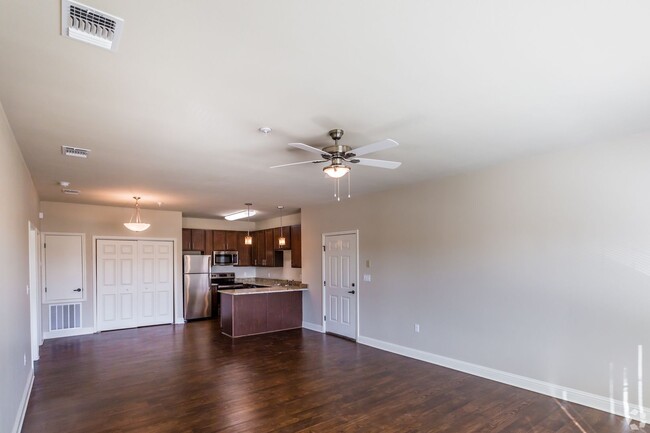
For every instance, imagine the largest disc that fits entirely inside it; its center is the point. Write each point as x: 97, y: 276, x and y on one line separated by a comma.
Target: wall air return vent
x: 70, y: 191
x: 90, y: 25
x: 75, y: 151
x: 65, y: 316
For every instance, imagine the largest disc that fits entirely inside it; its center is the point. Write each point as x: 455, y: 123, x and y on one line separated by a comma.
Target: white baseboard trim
x: 22, y: 409
x: 68, y: 332
x: 312, y: 326
x: 179, y: 321
x: 605, y: 404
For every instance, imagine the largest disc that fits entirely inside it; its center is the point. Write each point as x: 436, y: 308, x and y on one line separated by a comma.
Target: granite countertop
x: 259, y: 290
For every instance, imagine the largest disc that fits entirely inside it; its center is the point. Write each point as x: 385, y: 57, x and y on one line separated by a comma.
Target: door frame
x: 35, y: 311
x: 354, y: 232
x: 84, y: 289
x: 128, y: 238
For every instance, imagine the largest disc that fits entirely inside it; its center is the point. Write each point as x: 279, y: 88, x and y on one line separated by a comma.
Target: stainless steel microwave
x: 225, y: 258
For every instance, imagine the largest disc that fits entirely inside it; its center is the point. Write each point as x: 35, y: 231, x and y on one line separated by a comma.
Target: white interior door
x: 64, y: 267
x: 117, y: 282
x: 34, y: 291
x: 156, y: 288
x: 340, y: 284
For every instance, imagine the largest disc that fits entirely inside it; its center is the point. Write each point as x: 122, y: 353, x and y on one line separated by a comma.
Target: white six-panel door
x: 341, y: 284
x: 134, y: 283
x: 156, y: 282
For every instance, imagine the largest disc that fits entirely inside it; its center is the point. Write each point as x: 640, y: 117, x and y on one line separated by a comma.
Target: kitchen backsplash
x: 286, y: 272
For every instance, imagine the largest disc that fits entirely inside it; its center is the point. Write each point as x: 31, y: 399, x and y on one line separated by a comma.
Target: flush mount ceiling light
x: 240, y: 215
x: 282, y: 241
x: 137, y: 225
x: 248, y: 240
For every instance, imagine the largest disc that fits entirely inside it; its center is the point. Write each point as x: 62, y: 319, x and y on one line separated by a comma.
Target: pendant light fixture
x: 248, y: 240
x: 137, y: 225
x: 282, y: 241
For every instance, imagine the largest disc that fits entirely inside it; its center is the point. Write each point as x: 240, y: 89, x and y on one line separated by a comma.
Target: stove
x: 225, y: 280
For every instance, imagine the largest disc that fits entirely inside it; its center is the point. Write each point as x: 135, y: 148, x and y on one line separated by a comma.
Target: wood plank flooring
x: 190, y: 378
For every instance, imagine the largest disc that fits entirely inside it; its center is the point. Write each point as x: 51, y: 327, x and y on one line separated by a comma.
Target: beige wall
x: 98, y: 221
x: 20, y: 205
x: 538, y: 267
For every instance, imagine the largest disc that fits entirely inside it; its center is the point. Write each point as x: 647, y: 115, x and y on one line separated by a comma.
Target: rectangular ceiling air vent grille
x: 77, y: 152
x: 70, y: 191
x: 89, y: 25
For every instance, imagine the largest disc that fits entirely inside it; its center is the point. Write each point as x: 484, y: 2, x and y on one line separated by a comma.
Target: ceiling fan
x: 337, y: 155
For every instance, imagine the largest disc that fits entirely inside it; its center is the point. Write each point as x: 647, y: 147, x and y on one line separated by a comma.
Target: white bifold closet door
x: 134, y: 283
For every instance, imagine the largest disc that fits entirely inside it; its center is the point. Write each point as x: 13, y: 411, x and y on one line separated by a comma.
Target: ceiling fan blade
x: 307, y: 147
x: 377, y: 163
x: 298, y: 163
x: 375, y: 147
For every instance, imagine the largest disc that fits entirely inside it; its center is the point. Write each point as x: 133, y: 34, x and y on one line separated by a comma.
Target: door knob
x: 77, y: 290
x: 352, y: 292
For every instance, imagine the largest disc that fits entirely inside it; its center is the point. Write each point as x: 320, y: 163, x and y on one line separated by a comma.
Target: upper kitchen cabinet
x: 245, y: 251
x: 259, y: 248
x: 272, y: 258
x: 225, y: 240
x: 296, y: 247
x: 286, y: 232
x: 194, y: 240
x: 209, y: 247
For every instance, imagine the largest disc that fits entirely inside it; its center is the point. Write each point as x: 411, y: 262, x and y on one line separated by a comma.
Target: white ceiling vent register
x: 90, y: 25
x: 77, y: 152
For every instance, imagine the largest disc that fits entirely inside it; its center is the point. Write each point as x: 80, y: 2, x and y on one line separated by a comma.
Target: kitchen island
x: 260, y: 310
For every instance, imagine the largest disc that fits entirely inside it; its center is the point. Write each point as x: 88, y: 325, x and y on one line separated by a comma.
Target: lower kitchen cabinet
x: 260, y: 313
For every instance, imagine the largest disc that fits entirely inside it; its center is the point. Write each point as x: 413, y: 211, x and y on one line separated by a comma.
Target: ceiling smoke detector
x: 89, y: 25
x: 75, y: 151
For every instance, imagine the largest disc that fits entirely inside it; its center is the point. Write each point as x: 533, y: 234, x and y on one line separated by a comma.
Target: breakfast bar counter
x: 260, y: 310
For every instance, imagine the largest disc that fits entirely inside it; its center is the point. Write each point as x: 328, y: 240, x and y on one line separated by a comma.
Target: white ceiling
x: 173, y: 114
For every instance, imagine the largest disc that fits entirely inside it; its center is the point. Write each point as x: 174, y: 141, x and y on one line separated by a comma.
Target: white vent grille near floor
x: 89, y: 25
x: 65, y: 316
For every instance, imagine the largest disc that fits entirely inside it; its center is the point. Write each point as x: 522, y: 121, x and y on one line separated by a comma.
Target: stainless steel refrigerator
x: 197, y: 302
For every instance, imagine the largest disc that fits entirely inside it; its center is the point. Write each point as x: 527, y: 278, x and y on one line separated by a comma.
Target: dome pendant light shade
x: 336, y: 171
x: 248, y: 240
x: 137, y: 225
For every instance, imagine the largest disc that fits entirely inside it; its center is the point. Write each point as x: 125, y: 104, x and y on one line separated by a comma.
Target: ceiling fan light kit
x: 137, y: 225
x: 338, y: 155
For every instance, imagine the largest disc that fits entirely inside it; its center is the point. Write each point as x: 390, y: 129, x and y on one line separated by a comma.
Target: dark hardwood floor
x: 193, y: 379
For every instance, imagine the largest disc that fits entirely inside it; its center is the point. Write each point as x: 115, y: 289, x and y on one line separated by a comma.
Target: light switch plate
x: 367, y: 278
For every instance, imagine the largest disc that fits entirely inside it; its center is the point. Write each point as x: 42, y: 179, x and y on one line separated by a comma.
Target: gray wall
x: 108, y: 221
x: 20, y: 205
x: 538, y: 267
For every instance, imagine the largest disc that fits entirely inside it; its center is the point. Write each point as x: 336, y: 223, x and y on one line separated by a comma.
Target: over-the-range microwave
x: 225, y: 258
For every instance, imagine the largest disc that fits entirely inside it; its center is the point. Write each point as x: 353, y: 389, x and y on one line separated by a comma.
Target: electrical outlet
x: 27, y: 289
x: 367, y: 278
x: 368, y: 263
x: 268, y: 274
x: 417, y: 327
x: 24, y: 359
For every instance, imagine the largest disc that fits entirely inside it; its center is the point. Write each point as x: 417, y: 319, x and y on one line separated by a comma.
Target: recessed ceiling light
x: 239, y: 215
x: 265, y: 130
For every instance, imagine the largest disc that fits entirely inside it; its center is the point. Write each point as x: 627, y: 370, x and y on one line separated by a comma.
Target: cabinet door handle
x: 77, y: 290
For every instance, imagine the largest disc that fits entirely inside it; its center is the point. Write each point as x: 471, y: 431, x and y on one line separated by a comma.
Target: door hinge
x: 325, y: 318
x: 323, y: 248
x: 324, y: 283
x: 46, y: 290
x: 44, y: 245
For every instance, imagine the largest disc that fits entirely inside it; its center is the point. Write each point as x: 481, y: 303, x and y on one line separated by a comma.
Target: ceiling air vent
x: 75, y: 151
x: 90, y: 25
x: 70, y: 191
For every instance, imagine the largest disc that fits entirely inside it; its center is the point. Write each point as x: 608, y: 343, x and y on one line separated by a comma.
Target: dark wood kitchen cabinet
x: 296, y: 247
x: 193, y: 240
x: 245, y: 251
x: 286, y: 232
x: 208, y: 243
x: 225, y: 240
x: 259, y: 248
